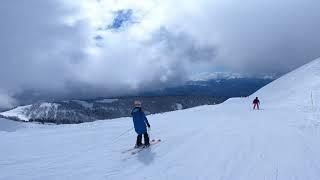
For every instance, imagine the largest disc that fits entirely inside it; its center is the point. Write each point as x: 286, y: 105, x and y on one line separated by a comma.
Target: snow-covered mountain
x: 229, y: 141
x: 207, y: 76
x: 78, y: 111
x: 191, y: 94
x: 225, y: 87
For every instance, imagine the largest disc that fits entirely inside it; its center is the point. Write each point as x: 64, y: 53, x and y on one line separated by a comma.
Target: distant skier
x: 140, y: 122
x: 256, y: 103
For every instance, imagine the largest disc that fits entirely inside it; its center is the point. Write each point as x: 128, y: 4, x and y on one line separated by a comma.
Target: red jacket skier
x: 256, y: 103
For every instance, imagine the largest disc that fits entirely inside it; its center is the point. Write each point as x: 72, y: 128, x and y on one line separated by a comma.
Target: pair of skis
x: 135, y: 150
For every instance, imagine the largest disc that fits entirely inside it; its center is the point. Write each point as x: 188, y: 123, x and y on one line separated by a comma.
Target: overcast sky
x: 110, y: 47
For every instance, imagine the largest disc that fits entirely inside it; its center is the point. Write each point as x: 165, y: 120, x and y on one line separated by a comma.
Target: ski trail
x: 223, y: 142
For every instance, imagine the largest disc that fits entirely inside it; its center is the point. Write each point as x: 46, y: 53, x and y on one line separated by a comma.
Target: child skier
x: 140, y: 123
x: 256, y: 103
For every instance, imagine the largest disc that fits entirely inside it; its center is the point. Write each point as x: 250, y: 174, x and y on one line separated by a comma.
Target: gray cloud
x: 52, y: 47
x: 262, y: 36
x: 36, y: 48
x: 179, y: 45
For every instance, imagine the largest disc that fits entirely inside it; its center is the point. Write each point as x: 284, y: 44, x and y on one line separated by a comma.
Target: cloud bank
x: 109, y: 47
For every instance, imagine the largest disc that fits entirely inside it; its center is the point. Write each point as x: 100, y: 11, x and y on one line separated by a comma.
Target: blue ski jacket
x: 140, y: 120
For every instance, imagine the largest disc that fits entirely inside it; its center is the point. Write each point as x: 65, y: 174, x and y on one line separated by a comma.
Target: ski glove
x: 148, y: 125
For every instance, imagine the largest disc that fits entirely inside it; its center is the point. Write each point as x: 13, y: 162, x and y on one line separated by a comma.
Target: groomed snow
x: 229, y: 141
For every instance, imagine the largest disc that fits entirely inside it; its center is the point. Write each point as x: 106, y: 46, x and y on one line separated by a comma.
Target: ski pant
x: 256, y: 106
x: 146, y: 139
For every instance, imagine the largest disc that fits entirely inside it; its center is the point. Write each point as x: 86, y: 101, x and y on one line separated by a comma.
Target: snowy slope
x: 18, y: 113
x: 301, y: 87
x: 25, y: 113
x: 229, y: 141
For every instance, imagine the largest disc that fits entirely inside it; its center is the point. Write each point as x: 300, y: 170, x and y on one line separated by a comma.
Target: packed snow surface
x: 229, y: 141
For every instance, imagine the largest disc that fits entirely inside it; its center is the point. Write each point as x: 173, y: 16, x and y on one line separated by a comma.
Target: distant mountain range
x: 78, y: 111
x: 216, y: 85
x: 206, y: 76
x: 205, y: 89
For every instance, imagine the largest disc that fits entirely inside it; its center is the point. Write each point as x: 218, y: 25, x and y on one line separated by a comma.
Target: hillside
x: 229, y: 141
x: 79, y: 111
x: 300, y: 88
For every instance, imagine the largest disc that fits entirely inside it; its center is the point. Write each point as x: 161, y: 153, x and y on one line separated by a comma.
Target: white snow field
x: 229, y: 141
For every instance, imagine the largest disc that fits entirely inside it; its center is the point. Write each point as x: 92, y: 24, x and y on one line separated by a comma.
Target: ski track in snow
x: 223, y: 142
